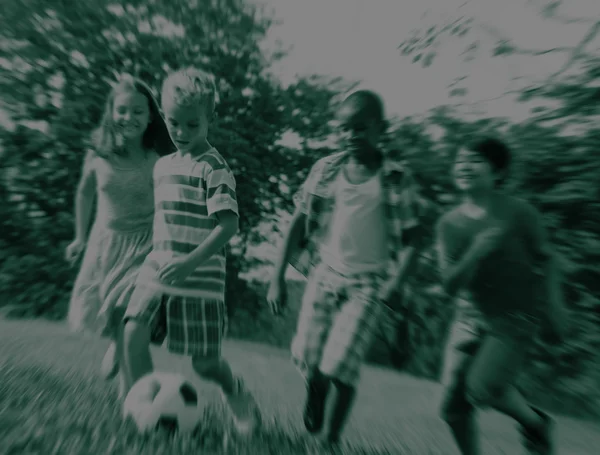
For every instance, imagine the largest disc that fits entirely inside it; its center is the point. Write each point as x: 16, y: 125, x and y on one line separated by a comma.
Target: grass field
x: 53, y: 402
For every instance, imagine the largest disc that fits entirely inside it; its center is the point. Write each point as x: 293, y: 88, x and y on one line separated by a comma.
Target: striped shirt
x: 188, y: 192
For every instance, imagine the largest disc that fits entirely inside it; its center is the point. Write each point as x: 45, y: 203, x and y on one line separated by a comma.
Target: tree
x: 556, y: 169
x: 60, y: 60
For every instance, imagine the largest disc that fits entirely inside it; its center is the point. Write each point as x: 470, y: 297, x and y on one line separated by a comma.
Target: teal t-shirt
x: 507, y: 282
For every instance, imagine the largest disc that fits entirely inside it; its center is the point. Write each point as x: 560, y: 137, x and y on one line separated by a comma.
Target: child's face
x: 131, y: 114
x: 188, y: 125
x: 472, y: 171
x: 360, y: 132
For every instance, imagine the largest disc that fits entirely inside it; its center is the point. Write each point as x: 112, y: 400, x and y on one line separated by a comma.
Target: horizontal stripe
x: 215, y: 161
x: 182, y: 207
x: 180, y: 193
x: 184, y: 219
x: 216, y: 205
x: 180, y: 248
x: 185, y: 180
x: 221, y: 191
x: 223, y: 177
x: 184, y: 234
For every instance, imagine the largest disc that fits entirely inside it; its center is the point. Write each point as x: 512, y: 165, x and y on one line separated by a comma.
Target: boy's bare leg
x: 240, y: 400
x: 490, y: 382
x: 136, y: 343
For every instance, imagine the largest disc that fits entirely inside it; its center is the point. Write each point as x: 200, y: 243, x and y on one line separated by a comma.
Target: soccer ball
x: 163, y: 400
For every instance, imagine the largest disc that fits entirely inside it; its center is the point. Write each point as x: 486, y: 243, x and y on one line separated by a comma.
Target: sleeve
x: 220, y: 189
x: 301, y: 196
x: 535, y: 233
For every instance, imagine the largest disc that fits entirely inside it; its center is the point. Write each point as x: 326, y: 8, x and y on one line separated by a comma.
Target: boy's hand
x: 176, y: 271
x: 277, y: 296
x: 488, y: 241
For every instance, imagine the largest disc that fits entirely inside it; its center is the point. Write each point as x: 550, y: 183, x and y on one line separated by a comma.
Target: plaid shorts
x: 191, y: 326
x: 337, y: 323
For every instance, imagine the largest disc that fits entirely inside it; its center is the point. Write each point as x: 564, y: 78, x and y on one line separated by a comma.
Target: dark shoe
x: 341, y: 410
x: 539, y: 441
x: 314, y: 409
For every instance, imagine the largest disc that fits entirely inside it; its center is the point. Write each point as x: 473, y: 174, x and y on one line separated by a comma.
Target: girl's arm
x: 84, y: 198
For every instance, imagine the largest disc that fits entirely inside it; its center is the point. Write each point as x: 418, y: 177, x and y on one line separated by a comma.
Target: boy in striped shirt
x: 180, y: 292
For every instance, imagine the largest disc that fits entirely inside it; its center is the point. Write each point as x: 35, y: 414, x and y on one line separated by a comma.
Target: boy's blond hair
x: 190, y: 86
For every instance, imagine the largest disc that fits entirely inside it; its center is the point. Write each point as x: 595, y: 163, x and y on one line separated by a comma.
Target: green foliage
x: 55, y: 94
x: 54, y: 91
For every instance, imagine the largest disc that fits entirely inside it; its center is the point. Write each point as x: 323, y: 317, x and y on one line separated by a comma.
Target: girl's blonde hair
x: 105, y: 139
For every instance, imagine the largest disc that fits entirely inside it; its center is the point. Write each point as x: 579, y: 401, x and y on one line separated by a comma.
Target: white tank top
x: 357, y: 239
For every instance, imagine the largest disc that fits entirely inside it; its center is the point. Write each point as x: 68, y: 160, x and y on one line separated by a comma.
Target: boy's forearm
x: 291, y: 239
x: 217, y: 239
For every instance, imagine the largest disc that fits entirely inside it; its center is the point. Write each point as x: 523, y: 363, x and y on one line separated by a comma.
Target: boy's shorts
x: 337, y: 323
x: 191, y: 326
x: 481, y: 361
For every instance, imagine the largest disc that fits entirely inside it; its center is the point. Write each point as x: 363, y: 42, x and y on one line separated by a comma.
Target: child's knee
x: 207, y: 367
x: 481, y: 393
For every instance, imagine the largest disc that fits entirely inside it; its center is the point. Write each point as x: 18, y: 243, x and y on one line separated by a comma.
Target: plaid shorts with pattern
x: 337, y: 323
x: 191, y: 326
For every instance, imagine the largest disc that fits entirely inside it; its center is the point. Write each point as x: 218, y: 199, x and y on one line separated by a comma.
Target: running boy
x: 492, y: 245
x: 181, y: 289
x: 356, y: 227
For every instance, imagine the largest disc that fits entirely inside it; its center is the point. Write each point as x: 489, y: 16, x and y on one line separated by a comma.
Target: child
x: 117, y: 173
x: 491, y: 245
x: 181, y: 289
x: 357, y: 219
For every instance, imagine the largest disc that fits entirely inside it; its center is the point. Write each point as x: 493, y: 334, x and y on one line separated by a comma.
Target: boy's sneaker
x: 317, y: 389
x: 244, y: 409
x: 539, y: 441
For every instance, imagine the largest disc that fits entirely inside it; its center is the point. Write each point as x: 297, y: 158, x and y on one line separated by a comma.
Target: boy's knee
x: 206, y: 366
x: 481, y: 393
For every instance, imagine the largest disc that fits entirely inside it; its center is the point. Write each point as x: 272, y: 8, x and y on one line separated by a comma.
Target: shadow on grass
x: 42, y: 412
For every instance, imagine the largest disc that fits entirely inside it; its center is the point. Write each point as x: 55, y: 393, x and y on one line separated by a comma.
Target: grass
x: 53, y: 402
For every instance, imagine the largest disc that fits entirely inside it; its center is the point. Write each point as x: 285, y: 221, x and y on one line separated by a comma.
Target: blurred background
x: 528, y: 72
